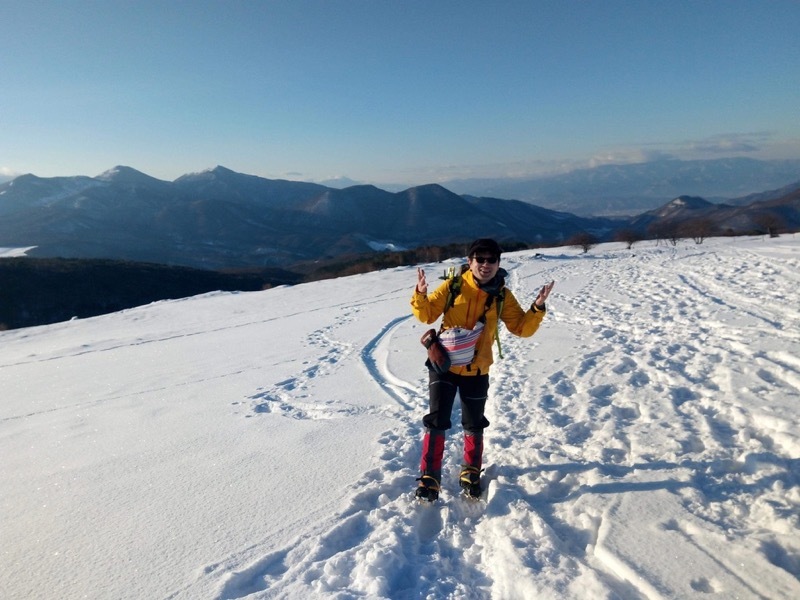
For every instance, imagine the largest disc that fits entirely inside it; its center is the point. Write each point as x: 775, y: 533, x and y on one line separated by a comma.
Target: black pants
x: 472, y: 390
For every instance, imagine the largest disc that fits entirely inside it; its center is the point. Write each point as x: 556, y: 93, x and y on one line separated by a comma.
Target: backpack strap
x: 501, y: 299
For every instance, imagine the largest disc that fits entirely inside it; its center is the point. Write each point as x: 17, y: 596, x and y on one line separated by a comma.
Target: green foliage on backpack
x: 454, y: 289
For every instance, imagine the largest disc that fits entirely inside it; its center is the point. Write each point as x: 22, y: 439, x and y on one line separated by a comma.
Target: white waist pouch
x: 460, y: 343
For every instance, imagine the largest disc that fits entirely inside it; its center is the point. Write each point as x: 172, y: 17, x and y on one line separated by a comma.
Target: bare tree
x: 665, y: 231
x: 698, y: 229
x: 769, y: 221
x: 583, y: 240
x: 629, y: 236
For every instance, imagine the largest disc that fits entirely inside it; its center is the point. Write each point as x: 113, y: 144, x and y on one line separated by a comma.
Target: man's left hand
x: 543, y: 294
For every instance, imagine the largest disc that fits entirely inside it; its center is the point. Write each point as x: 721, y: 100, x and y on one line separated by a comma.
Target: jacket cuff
x: 537, y: 309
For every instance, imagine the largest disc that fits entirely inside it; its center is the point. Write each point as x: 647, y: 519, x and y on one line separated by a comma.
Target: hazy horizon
x: 393, y: 93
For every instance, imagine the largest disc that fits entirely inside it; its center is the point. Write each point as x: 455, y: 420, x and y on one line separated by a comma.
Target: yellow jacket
x: 465, y: 312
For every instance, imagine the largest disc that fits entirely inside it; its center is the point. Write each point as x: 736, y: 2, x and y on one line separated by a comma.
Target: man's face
x: 484, y: 266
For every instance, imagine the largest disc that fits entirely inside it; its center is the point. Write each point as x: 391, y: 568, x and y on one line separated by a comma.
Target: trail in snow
x: 382, y: 532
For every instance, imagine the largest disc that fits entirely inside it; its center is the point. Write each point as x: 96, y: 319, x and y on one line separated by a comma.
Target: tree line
x: 698, y: 230
x: 37, y: 291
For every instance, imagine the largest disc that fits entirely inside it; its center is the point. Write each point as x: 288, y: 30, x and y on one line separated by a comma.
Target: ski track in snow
x: 383, y: 531
x: 567, y: 448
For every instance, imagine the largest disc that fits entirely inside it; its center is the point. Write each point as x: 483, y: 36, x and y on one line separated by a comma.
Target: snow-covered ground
x: 12, y: 252
x: 644, y: 444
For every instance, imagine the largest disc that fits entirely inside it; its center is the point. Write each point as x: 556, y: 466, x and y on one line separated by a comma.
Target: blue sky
x: 393, y: 91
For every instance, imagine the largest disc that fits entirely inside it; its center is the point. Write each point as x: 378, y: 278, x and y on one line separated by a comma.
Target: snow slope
x: 12, y: 252
x: 645, y: 443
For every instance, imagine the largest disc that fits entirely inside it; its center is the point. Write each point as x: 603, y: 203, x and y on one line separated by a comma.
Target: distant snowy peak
x: 122, y: 174
x: 379, y: 246
x: 681, y: 205
x: 218, y: 173
x: 689, y: 202
x: 221, y: 171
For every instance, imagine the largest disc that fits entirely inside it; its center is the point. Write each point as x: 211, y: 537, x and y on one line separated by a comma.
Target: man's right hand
x: 422, y: 285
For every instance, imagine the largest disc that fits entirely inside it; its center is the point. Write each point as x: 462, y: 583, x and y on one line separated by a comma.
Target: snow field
x: 644, y: 443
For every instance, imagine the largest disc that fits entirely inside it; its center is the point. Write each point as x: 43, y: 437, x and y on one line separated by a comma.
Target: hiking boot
x: 428, y: 488
x: 470, y: 481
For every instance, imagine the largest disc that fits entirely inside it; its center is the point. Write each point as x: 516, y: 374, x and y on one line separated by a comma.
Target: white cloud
x: 627, y: 157
x: 727, y: 143
x: 498, y: 170
x: 8, y: 172
x: 764, y: 145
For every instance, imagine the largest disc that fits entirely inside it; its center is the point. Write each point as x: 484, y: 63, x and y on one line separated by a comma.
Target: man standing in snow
x: 480, y: 297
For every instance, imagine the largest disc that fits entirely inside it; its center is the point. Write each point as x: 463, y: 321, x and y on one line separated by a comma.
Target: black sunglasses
x: 485, y: 259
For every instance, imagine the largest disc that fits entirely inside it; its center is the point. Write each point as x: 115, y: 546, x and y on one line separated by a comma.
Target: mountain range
x: 222, y: 219
x: 778, y: 210
x: 629, y: 190
x: 219, y: 219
